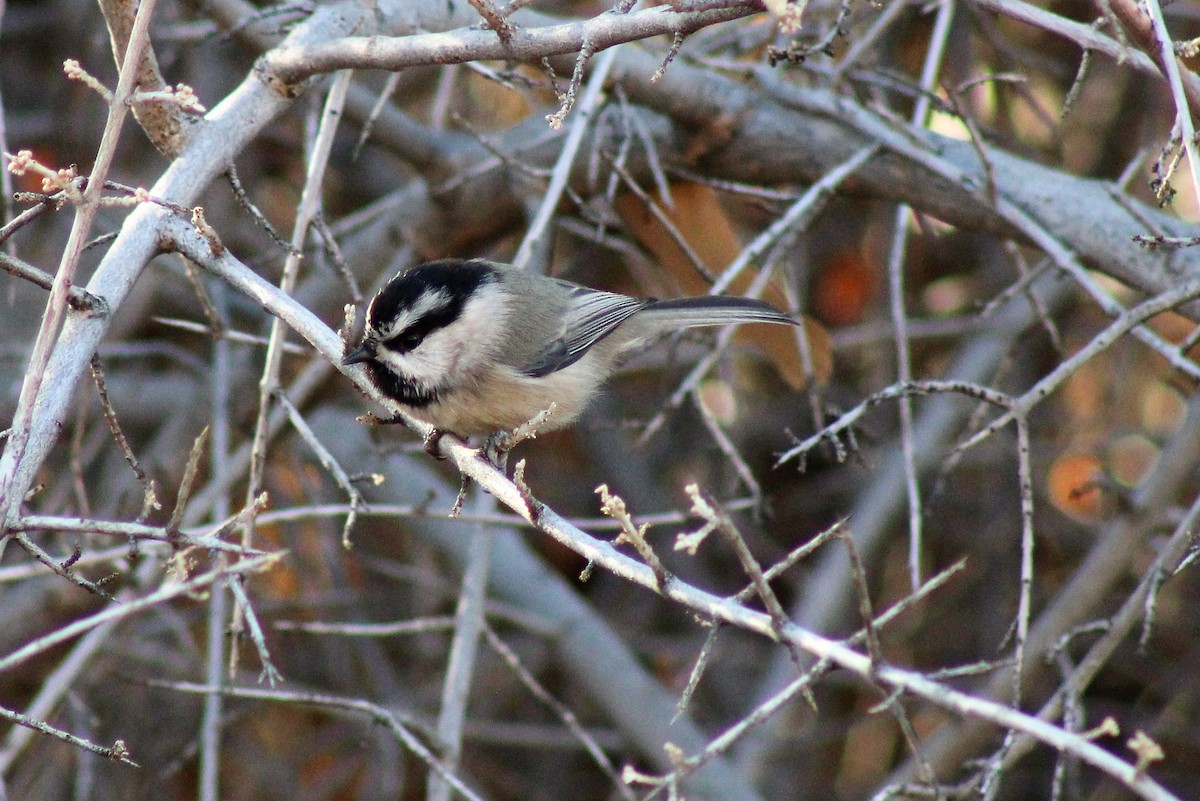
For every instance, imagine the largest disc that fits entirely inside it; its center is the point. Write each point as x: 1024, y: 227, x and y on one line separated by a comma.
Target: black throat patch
x: 400, y: 388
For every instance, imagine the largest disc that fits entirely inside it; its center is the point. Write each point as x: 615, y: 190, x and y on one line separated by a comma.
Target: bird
x: 477, y: 347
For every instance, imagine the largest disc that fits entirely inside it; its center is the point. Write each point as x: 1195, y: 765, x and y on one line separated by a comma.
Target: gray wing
x: 591, y: 317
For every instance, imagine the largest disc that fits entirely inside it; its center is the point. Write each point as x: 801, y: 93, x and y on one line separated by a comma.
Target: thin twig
x: 129, y: 530
x: 461, y: 665
x: 613, y: 506
x: 422, y: 625
x: 534, y: 238
x: 269, y: 672
x: 243, y: 199
x: 728, y: 448
x: 672, y: 230
x: 327, y: 460
x: 795, y: 216
x: 563, y: 712
x: 150, y: 501
x: 116, y: 752
x: 1183, y: 111
x: 64, y: 278
x: 385, y: 94
x: 310, y: 201
x: 390, y: 720
x: 212, y: 718
x: 849, y: 418
x: 897, y: 307
x: 78, y: 298
x: 186, y: 483
x: 1124, y: 323
x: 62, y: 569
x: 495, y: 19
x: 167, y: 593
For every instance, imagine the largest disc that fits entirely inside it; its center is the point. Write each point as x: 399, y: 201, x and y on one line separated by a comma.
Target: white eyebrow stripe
x: 426, y: 303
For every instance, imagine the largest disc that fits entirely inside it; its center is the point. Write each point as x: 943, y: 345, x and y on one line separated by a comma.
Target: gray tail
x: 711, y: 310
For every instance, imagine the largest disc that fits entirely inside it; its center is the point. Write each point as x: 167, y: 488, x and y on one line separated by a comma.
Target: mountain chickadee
x: 476, y: 347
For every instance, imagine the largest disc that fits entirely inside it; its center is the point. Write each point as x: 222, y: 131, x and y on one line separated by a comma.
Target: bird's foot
x: 499, y: 443
x: 496, y: 447
x: 432, y: 443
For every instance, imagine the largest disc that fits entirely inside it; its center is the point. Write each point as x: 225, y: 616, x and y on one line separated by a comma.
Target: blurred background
x: 674, y: 181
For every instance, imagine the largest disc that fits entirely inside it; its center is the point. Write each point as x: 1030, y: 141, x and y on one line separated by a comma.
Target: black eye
x: 407, y: 341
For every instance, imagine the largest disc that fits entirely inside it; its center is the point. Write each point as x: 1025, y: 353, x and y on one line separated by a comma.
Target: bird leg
x: 499, y: 443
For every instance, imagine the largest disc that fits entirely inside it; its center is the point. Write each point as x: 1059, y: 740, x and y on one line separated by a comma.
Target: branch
x: 294, y: 63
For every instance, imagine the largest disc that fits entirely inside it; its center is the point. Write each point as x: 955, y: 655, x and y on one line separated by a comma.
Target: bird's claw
x: 496, y: 448
x: 432, y: 442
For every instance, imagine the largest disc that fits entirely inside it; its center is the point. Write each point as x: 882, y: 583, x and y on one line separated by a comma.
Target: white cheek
x: 471, y: 342
x: 401, y: 363
x: 460, y: 350
x: 432, y: 360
